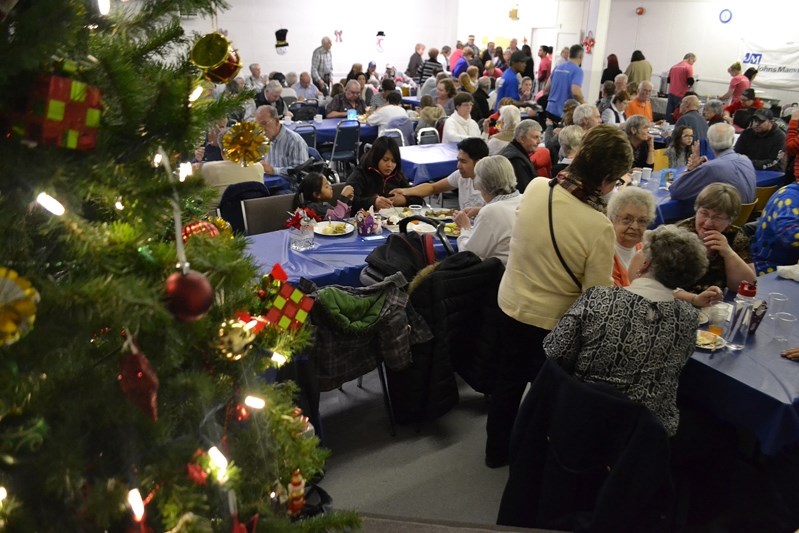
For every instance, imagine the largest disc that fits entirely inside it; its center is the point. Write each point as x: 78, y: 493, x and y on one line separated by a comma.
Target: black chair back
x: 345, y: 145
x: 230, y: 203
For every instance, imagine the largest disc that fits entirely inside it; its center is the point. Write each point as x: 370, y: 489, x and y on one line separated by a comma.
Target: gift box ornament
x: 60, y: 112
x: 290, y: 308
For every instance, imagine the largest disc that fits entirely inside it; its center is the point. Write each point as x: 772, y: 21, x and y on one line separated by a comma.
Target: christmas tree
x: 132, y: 390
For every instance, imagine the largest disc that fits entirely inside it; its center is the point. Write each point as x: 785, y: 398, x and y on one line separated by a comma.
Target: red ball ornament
x: 199, y: 227
x: 188, y: 296
x: 640, y: 11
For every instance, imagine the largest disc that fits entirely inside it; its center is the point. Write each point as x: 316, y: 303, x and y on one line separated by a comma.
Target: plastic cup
x: 776, y: 302
x: 646, y: 173
x: 636, y: 178
x: 317, y: 118
x: 783, y: 326
x: 717, y: 318
x: 417, y: 209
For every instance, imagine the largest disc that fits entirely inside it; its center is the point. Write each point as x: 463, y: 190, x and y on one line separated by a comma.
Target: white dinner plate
x: 421, y: 227
x: 326, y: 228
x: 703, y: 318
x: 709, y: 341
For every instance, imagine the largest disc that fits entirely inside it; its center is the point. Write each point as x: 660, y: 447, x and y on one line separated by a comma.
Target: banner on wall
x: 777, y: 66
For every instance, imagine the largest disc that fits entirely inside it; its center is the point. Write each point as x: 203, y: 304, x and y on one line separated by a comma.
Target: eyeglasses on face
x: 629, y: 220
x: 706, y: 214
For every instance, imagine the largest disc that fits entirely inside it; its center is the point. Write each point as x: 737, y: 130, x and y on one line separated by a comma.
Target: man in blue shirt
x: 727, y: 167
x: 508, y: 84
x: 565, y: 83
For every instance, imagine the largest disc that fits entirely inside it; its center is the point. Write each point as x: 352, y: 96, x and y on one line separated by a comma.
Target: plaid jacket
x: 342, y: 355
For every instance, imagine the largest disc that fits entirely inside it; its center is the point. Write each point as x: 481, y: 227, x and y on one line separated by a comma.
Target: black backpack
x: 404, y: 252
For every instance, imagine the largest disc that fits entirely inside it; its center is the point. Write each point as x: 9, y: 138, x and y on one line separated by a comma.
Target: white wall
x: 667, y: 30
x: 671, y: 28
x: 251, y: 26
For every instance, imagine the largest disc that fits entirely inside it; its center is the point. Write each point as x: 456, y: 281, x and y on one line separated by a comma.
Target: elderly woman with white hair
x: 637, y: 130
x: 509, y: 118
x: 631, y: 210
x: 570, y: 139
x: 490, y: 234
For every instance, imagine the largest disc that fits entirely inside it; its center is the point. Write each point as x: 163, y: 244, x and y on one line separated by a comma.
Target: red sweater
x: 792, y: 144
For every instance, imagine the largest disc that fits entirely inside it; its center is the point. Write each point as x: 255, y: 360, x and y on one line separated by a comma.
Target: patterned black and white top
x: 634, y: 344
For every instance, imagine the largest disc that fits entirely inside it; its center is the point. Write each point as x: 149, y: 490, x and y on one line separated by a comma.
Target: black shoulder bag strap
x: 552, y: 184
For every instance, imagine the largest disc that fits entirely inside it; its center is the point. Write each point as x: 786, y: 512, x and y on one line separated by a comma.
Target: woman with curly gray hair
x: 636, y: 339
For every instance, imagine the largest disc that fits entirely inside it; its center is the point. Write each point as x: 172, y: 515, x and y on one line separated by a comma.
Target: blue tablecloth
x: 428, y: 162
x: 326, y: 130
x: 336, y: 260
x: 412, y: 100
x: 755, y: 388
x: 669, y: 210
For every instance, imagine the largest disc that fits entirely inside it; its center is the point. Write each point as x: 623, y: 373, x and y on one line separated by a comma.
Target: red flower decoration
x: 302, y: 217
x: 196, y: 473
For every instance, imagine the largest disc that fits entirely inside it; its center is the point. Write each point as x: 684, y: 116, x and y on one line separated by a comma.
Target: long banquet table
x: 326, y: 130
x: 669, y: 209
x: 754, y: 389
x: 429, y: 162
x: 336, y: 260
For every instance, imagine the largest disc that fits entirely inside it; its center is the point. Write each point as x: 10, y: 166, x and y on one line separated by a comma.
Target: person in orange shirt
x: 641, y: 105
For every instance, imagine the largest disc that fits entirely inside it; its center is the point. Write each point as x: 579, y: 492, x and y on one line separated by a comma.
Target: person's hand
x: 470, y: 212
x: 650, y: 140
x: 199, y: 153
x: 462, y: 220
x: 549, y: 122
x: 708, y: 297
x: 287, y: 113
x: 268, y: 169
x: 348, y: 192
x: 791, y: 353
x: 716, y: 241
x: 795, y: 115
x: 399, y: 191
x: 694, y: 160
x: 381, y: 202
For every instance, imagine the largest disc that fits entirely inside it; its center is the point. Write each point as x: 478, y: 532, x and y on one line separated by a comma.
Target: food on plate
x: 335, y: 228
x: 452, y: 229
x: 708, y: 340
x: 442, y: 213
x: 703, y: 318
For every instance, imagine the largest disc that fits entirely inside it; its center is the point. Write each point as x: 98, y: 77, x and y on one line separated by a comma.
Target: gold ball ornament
x: 234, y: 339
x: 18, y: 301
x: 224, y: 227
x: 245, y: 143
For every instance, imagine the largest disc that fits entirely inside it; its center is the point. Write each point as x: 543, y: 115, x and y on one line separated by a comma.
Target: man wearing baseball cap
x: 762, y: 141
x: 742, y: 109
x: 508, y: 84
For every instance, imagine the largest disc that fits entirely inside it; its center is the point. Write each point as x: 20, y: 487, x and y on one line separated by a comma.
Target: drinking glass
x: 776, y: 302
x: 717, y: 318
x: 783, y: 326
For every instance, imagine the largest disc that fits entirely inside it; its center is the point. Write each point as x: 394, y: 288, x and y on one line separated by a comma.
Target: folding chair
x: 345, y: 144
x: 394, y: 134
x: 308, y: 133
x: 427, y: 136
x: 406, y: 126
x: 262, y: 215
x: 440, y: 126
x: 743, y: 216
x: 230, y: 203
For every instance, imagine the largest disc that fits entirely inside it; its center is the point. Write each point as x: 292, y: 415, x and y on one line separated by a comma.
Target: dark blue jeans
x: 672, y: 104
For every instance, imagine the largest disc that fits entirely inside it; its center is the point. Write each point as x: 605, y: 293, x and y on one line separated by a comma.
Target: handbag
x: 552, y: 183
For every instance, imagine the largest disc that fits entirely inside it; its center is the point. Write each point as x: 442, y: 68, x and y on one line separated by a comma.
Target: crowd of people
x: 543, y: 184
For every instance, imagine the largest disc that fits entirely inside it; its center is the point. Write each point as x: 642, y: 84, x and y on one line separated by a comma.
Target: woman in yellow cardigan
x: 537, y: 286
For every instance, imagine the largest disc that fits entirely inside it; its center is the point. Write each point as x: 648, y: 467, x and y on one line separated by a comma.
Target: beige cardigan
x: 535, y: 288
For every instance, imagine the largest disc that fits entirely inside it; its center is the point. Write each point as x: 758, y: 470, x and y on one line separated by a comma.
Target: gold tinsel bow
x: 245, y: 143
x: 18, y: 301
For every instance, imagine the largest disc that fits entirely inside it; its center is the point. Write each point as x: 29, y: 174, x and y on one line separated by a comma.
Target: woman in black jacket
x: 379, y: 173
